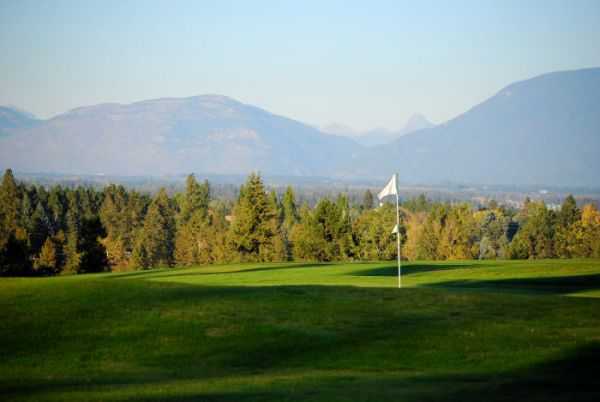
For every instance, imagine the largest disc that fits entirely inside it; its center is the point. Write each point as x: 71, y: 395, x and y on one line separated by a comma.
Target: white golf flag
x: 390, y: 189
x: 396, y: 230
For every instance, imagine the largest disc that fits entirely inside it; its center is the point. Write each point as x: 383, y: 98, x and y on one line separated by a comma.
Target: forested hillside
x: 47, y: 231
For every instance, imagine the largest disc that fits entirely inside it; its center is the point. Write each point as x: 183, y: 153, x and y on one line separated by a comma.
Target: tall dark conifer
x: 254, y: 228
x: 155, y: 243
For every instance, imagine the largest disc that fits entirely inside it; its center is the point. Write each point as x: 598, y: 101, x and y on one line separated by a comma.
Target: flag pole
x: 398, y: 234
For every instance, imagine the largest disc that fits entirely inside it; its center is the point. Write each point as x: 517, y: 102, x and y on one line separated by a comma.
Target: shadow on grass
x: 277, y: 329
x: 571, y: 377
x: 410, y: 269
x: 199, y: 271
x: 551, y: 285
x: 293, y: 334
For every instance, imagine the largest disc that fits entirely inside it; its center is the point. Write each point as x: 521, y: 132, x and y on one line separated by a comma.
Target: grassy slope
x: 275, y: 332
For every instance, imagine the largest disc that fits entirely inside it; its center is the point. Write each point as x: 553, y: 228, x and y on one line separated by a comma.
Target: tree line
x: 61, y: 230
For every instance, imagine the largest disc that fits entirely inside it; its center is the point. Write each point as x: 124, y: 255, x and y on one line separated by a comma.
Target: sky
x: 364, y: 64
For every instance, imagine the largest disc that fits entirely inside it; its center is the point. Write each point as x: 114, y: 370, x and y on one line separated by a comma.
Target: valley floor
x: 456, y: 331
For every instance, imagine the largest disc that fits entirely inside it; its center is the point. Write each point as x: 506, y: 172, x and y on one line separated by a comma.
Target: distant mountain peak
x: 416, y: 122
x: 540, y: 131
x: 379, y: 135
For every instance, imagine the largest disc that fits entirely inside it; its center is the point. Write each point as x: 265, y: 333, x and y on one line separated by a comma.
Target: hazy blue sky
x: 363, y: 63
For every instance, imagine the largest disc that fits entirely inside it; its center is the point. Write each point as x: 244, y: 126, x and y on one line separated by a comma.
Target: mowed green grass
x: 457, y: 331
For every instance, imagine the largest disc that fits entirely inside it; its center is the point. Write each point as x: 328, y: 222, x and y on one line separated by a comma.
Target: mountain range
x: 541, y: 131
x: 545, y: 130
x: 379, y: 136
x: 208, y: 134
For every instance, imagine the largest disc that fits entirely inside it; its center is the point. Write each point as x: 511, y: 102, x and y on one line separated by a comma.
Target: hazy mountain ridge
x: 545, y: 130
x: 379, y: 136
x: 12, y: 119
x: 208, y: 133
x: 541, y: 131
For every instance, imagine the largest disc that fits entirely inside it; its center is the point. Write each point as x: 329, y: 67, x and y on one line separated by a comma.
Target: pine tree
x: 26, y: 212
x: 254, y: 224
x: 93, y: 252
x: 277, y: 206
x: 72, y: 254
x: 57, y: 205
x: 536, y: 235
x: 368, y: 202
x: 569, y: 213
x: 290, y: 212
x: 192, y: 222
x: 156, y: 240
x: 195, y: 200
x: 565, y: 241
x: 10, y: 205
x: 39, y: 229
x: 308, y: 239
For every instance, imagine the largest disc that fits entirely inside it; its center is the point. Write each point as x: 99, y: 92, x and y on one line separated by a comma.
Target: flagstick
x: 398, y: 234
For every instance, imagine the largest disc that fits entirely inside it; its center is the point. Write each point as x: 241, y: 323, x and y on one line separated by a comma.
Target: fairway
x: 457, y: 331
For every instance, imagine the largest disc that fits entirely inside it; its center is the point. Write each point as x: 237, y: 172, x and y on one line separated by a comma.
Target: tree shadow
x: 569, y: 377
x: 199, y: 271
x: 410, y: 269
x: 572, y: 376
x: 305, y: 330
x: 550, y: 285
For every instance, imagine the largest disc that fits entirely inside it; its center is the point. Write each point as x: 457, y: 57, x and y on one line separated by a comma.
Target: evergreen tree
x: 277, y: 206
x: 10, y: 205
x: 290, y: 212
x: 57, y: 205
x: 188, y: 239
x: 39, y: 229
x: 565, y: 239
x: 93, y: 252
x: 308, y: 239
x: 324, y: 234
x: 156, y: 240
x: 535, y: 238
x: 418, y: 204
x: 195, y: 200
x: 569, y: 213
x: 213, y: 241
x: 27, y: 208
x: 254, y: 227
x: 73, y: 255
x: 344, y: 231
x: 368, y: 202
x: 193, y: 222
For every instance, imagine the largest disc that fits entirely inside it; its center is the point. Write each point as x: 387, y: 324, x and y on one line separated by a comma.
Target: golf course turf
x: 456, y: 331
